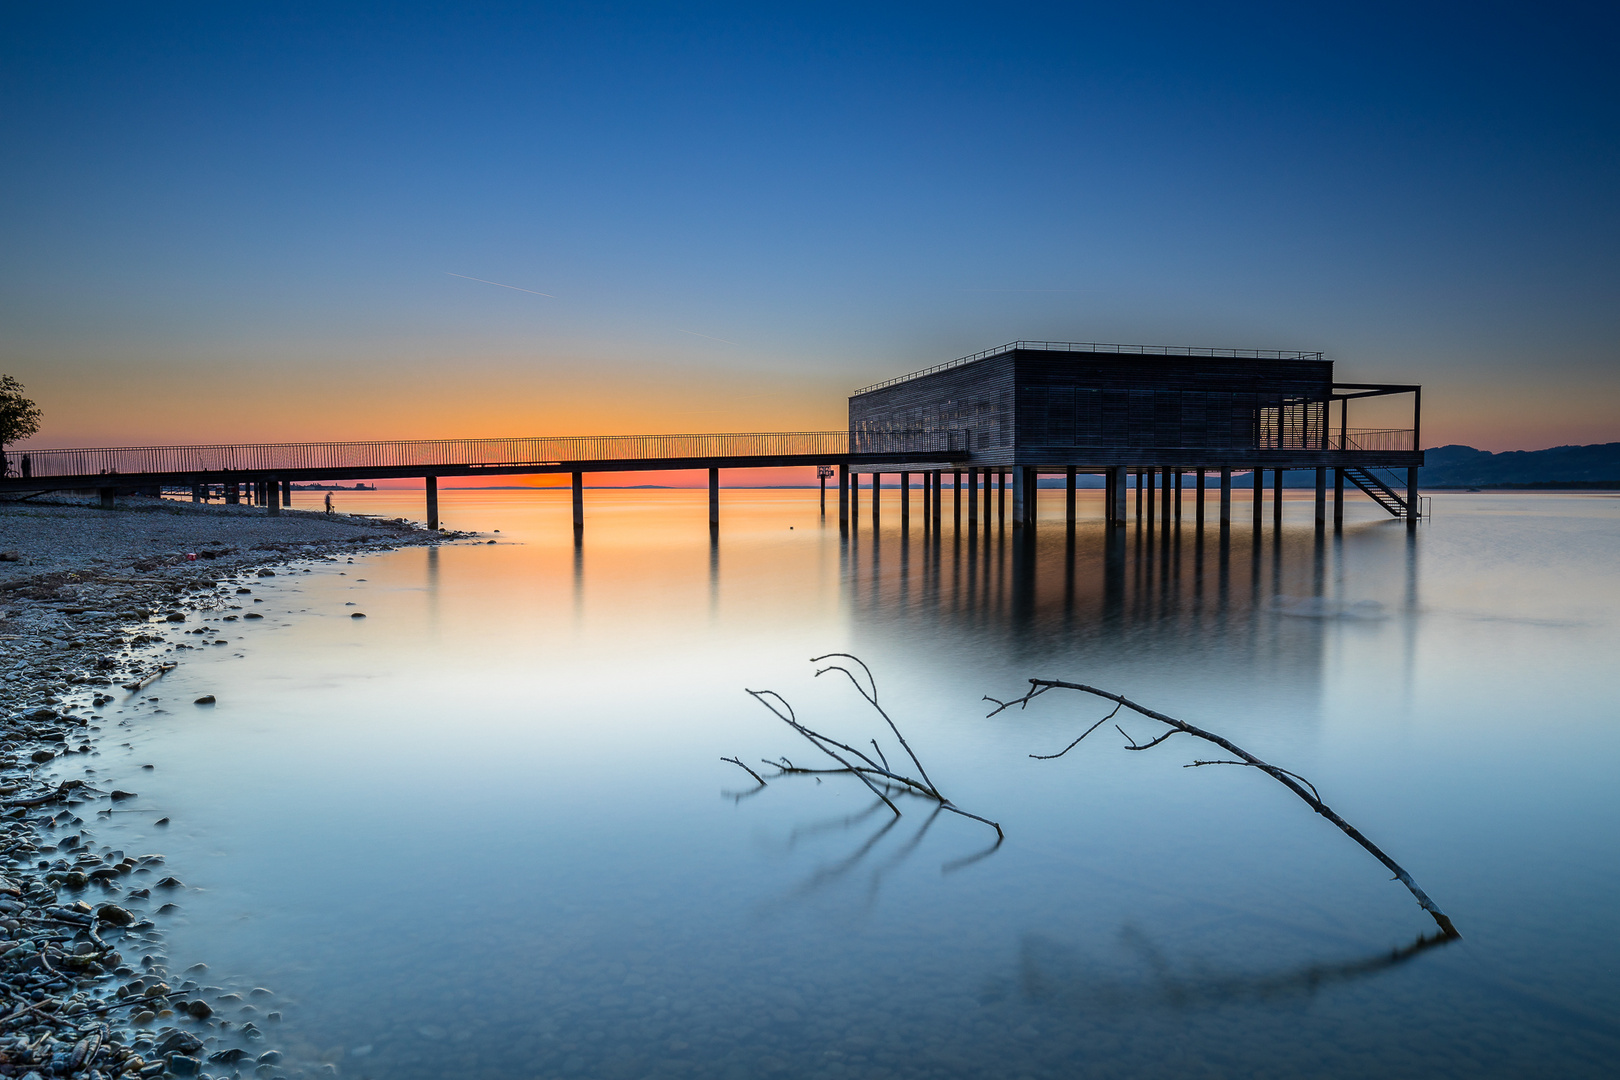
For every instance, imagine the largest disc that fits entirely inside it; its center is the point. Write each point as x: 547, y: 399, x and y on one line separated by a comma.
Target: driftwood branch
x: 1293, y: 782
x: 876, y: 773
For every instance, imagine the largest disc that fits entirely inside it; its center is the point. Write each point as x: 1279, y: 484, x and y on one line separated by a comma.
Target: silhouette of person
x: 328, y: 502
x: 27, y: 467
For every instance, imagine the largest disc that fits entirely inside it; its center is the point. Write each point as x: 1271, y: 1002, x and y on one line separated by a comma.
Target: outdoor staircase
x: 1380, y: 492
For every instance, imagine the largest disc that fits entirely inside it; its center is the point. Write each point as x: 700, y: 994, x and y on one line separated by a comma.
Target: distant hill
x: 1561, y: 466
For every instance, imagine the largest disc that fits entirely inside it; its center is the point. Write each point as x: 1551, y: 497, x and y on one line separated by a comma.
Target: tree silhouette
x: 19, y: 417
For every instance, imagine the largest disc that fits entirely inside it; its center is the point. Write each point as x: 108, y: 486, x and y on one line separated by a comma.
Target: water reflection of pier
x: 1245, y: 605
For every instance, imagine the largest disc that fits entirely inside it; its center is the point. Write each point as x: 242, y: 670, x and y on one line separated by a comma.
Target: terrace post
x: 1321, y: 498
x: 714, y: 500
x: 1118, y: 474
x: 1338, y: 499
x: 1226, y: 498
x: 1259, y: 496
x: 108, y: 497
x: 273, y: 490
x: 1276, y: 498
x: 432, y: 485
x: 578, y: 486
x: 973, y: 499
x: 1020, y: 479
x: 956, y: 501
x: 1068, y: 497
x: 1411, y: 499
x: 905, y: 500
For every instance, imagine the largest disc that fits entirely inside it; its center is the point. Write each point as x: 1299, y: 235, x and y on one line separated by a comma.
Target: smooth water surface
x: 486, y: 830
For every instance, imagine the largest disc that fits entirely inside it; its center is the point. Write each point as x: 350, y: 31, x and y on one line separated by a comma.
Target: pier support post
x: 956, y: 500
x: 939, y: 497
x: 1152, y: 494
x: 843, y: 498
x: 196, y: 493
x: 928, y: 499
x: 1411, y: 499
x: 432, y: 484
x: 1118, y: 472
x: 1139, y: 496
x: 233, y: 494
x: 877, y: 488
x: 1338, y: 499
x: 273, y: 489
x: 1321, y: 498
x: 1259, y: 497
x: 109, y: 497
x: 1198, y: 506
x: 823, y: 478
x: 855, y: 500
x: 286, y: 493
x: 973, y: 499
x: 1226, y: 498
x: 905, y: 500
x: 714, y: 500
x: 579, y: 505
x: 1179, y: 472
x: 1167, y: 485
x: 1068, y: 497
x: 1276, y: 498
x: 989, y: 499
x: 1020, y: 484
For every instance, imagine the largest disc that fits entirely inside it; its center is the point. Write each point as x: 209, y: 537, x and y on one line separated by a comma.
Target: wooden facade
x: 1052, y: 406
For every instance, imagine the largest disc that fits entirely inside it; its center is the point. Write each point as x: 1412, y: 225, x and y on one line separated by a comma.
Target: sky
x: 285, y: 222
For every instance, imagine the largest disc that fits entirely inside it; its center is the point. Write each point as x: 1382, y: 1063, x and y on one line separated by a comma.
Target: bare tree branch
x: 869, y: 772
x: 1292, y: 782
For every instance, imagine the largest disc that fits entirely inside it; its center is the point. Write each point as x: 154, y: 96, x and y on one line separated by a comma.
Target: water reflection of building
x: 1244, y: 609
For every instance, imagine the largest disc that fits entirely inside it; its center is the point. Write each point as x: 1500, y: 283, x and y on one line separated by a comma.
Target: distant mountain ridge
x: 1597, y: 465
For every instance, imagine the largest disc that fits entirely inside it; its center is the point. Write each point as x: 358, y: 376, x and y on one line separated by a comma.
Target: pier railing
x: 1373, y: 439
x: 468, y: 453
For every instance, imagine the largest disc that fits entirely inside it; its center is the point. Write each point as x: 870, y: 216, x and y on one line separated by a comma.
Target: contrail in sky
x: 711, y: 337
x: 531, y: 292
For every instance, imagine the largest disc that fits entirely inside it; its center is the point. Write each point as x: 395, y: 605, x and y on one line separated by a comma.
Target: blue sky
x: 743, y: 212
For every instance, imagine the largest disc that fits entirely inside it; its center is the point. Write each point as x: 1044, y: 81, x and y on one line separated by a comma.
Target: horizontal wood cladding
x: 975, y: 400
x: 1024, y: 406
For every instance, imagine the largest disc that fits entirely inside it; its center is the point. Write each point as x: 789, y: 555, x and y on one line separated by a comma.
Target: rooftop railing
x: 1094, y: 346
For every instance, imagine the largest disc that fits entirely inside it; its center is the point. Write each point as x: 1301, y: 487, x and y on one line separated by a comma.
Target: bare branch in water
x: 1293, y: 782
x: 881, y: 779
x: 738, y: 762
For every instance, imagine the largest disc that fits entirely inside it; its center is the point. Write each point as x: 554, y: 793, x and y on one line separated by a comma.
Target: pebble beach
x: 96, y: 606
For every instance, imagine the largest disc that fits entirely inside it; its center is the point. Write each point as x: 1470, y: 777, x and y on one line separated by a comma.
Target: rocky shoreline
x: 88, y: 600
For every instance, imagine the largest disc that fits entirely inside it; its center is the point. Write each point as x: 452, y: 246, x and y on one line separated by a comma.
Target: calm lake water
x: 486, y: 831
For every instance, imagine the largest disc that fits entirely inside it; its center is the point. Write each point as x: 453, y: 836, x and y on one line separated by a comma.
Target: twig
x: 869, y: 772
x: 1291, y: 781
x: 738, y: 762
